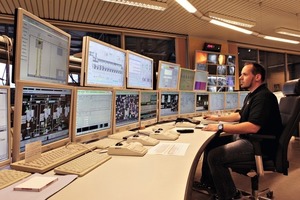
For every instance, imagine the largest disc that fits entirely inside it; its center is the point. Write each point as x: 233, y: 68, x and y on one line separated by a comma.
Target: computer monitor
x: 41, y: 50
x: 187, y: 77
x: 149, y: 107
x: 212, y: 58
x: 168, y: 75
x: 139, y: 71
x: 104, y: 65
x: 4, y: 126
x: 92, y: 116
x: 231, y: 100
x: 242, y: 96
x: 201, y: 102
x: 201, y: 79
x: 42, y: 112
x: 216, y: 101
x: 200, y: 60
x: 168, y: 106
x: 187, y: 104
x: 126, y: 110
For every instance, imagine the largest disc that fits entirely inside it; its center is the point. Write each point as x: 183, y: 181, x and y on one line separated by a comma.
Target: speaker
x: 212, y: 47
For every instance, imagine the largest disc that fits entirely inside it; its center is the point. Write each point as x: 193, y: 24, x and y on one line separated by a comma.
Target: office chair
x: 289, y: 107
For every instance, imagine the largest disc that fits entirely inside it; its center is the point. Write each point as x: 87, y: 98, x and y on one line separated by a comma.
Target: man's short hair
x: 258, y: 69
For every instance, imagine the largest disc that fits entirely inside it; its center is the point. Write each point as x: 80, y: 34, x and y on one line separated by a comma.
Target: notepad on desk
x: 176, y: 149
x: 36, y: 184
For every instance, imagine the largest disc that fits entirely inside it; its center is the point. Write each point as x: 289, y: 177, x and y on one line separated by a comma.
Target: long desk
x: 151, y: 177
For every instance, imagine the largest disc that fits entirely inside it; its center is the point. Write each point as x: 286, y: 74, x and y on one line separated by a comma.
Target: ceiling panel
x: 268, y: 15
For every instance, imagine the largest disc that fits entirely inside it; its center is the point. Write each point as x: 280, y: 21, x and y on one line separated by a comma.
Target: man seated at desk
x: 259, y: 115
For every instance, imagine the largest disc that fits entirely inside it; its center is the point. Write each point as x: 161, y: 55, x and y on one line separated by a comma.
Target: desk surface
x: 149, y: 177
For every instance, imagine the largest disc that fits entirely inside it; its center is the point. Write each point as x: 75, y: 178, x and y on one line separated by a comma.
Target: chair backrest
x: 289, y: 107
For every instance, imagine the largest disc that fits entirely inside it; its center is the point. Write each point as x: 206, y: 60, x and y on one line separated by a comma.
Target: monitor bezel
x: 7, y: 161
x: 152, y: 121
x: 225, y: 106
x: 180, y: 79
x: 17, y: 154
x: 17, y: 46
x: 206, y: 85
x: 191, y: 114
x: 167, y: 118
x: 127, y: 127
x: 84, y: 63
x: 128, y: 52
x: 88, y: 137
x: 159, y: 75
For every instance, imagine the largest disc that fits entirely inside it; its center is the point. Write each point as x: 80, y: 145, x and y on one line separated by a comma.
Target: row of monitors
x: 61, y: 114
x: 42, y: 53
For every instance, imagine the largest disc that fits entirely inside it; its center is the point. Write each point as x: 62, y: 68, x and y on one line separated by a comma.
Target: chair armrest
x: 256, y: 140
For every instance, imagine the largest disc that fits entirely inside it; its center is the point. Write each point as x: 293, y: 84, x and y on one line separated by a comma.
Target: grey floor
x: 284, y: 187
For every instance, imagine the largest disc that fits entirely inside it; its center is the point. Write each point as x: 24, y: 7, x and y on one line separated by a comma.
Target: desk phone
x: 143, y: 139
x: 159, y: 134
x: 127, y: 149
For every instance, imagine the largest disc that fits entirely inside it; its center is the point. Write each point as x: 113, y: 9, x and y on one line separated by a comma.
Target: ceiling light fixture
x: 232, y: 20
x: 230, y: 26
x: 187, y: 5
x: 288, y: 32
x: 280, y: 39
x: 155, y: 5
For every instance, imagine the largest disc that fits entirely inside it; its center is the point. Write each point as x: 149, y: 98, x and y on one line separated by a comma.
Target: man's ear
x: 258, y: 77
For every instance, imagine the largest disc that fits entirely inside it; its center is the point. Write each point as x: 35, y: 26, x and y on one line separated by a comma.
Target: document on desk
x: 176, y: 149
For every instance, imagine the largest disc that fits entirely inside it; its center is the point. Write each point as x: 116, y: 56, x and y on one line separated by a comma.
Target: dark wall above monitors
x: 41, y: 50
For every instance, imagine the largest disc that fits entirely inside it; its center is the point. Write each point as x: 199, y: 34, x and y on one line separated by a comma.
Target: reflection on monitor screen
x: 42, y: 113
x: 186, y: 79
x: 104, y: 64
x: 149, y: 107
x: 232, y: 100
x: 168, y: 75
x: 242, y: 96
x: 216, y: 101
x: 201, y: 80
x: 201, y: 102
x: 4, y: 126
x: 187, y: 104
x: 41, y: 50
x: 139, y: 71
x: 126, y: 110
x: 168, y: 108
x: 92, y: 114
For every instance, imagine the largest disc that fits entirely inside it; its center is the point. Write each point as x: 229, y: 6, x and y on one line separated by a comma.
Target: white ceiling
x: 268, y: 15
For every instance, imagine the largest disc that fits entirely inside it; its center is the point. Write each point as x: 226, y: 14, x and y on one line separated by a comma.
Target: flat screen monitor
x: 187, y: 77
x: 242, y: 96
x: 149, y: 107
x: 201, y: 102
x: 92, y: 116
x: 104, y: 65
x: 168, y: 75
x: 41, y: 50
x: 42, y: 112
x: 168, y: 106
x: 200, y: 60
x: 201, y: 79
x: 126, y: 111
x: 216, y: 101
x: 4, y: 126
x: 231, y: 100
x: 187, y: 104
x: 139, y: 71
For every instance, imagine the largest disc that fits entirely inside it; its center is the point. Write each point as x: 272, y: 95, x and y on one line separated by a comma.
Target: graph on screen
x: 187, y: 77
x: 168, y: 75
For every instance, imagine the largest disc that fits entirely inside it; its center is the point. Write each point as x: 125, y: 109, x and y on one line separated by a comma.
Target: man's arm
x: 240, y: 128
x: 233, y: 117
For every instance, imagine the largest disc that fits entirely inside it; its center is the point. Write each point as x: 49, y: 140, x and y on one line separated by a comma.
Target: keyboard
x: 10, y: 176
x: 105, y: 143
x: 83, y: 164
x: 51, y: 159
x: 127, y: 149
x: 121, y: 135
